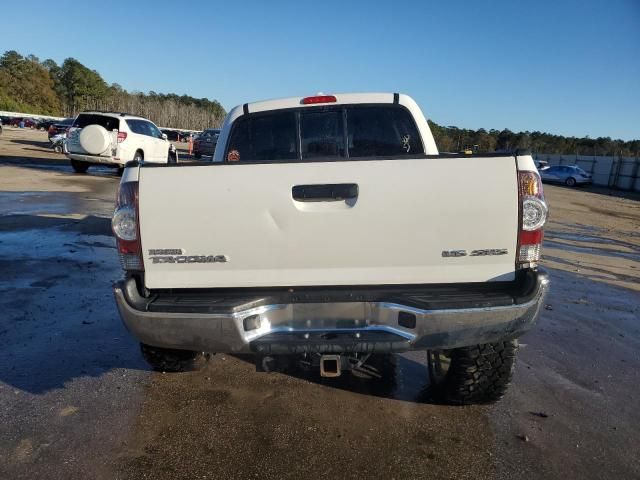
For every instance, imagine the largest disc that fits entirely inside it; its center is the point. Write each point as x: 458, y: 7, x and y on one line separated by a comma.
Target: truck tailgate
x: 247, y: 225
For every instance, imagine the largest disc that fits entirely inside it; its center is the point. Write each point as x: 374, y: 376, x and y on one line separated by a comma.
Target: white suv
x: 113, y: 139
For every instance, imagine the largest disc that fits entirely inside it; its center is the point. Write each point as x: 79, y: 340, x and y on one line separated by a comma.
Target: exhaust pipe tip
x: 330, y: 366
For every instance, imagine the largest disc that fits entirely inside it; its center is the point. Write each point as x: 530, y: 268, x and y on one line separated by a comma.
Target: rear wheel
x: 79, y: 167
x: 138, y: 157
x: 479, y: 374
x: 570, y: 182
x: 172, y: 360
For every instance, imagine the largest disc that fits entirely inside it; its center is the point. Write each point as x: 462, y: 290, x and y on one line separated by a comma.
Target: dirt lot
x: 77, y: 401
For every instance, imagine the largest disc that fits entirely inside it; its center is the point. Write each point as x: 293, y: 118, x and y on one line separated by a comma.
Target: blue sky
x: 566, y: 67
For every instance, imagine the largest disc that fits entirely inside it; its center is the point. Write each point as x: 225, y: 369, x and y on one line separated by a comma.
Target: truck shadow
x: 36, y: 143
x: 399, y: 377
x: 60, y: 164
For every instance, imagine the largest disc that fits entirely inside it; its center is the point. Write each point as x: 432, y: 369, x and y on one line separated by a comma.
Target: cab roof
x: 295, y: 102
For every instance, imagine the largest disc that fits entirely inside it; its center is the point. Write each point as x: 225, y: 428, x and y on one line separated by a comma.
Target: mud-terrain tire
x: 172, y: 360
x: 79, y: 167
x: 479, y: 374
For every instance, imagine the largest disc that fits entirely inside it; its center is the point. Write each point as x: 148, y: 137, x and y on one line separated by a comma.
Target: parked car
x: 540, y: 164
x: 171, y: 134
x: 57, y: 128
x: 113, y: 139
x: 320, y: 235
x: 184, y: 136
x: 23, y: 123
x: 205, y: 143
x: 570, y: 175
x: 45, y: 124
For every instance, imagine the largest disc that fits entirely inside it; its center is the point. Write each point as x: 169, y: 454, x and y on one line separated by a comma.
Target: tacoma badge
x: 174, y: 255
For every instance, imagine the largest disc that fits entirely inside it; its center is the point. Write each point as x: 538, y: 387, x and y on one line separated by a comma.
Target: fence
x: 622, y: 173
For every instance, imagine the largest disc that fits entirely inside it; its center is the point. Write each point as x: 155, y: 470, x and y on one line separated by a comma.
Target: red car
x: 28, y: 123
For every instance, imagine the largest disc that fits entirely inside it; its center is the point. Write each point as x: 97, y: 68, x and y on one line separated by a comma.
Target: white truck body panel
x: 407, y: 213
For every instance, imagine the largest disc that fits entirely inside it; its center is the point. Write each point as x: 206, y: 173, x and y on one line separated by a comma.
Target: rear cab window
x: 331, y: 133
x: 271, y: 136
x: 322, y: 134
x: 382, y: 132
x: 108, y: 123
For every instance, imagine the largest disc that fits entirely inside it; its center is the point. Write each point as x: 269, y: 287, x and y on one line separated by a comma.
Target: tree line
x: 454, y: 139
x: 31, y: 86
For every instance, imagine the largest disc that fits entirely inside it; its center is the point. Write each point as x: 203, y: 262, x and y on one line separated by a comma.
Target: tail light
x: 533, y: 216
x: 126, y: 228
x: 122, y: 136
x: 319, y: 99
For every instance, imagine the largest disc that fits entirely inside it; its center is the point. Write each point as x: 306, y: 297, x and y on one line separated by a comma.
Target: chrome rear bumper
x: 366, y: 326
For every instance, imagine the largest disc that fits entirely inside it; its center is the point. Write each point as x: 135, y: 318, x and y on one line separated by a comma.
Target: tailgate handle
x: 331, y: 192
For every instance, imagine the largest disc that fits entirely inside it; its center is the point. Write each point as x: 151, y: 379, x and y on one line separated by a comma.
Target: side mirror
x: 164, y: 136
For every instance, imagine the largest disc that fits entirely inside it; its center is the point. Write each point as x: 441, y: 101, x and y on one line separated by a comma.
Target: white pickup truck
x: 328, y: 231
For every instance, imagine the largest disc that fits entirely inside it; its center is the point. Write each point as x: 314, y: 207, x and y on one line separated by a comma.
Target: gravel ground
x: 77, y: 401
